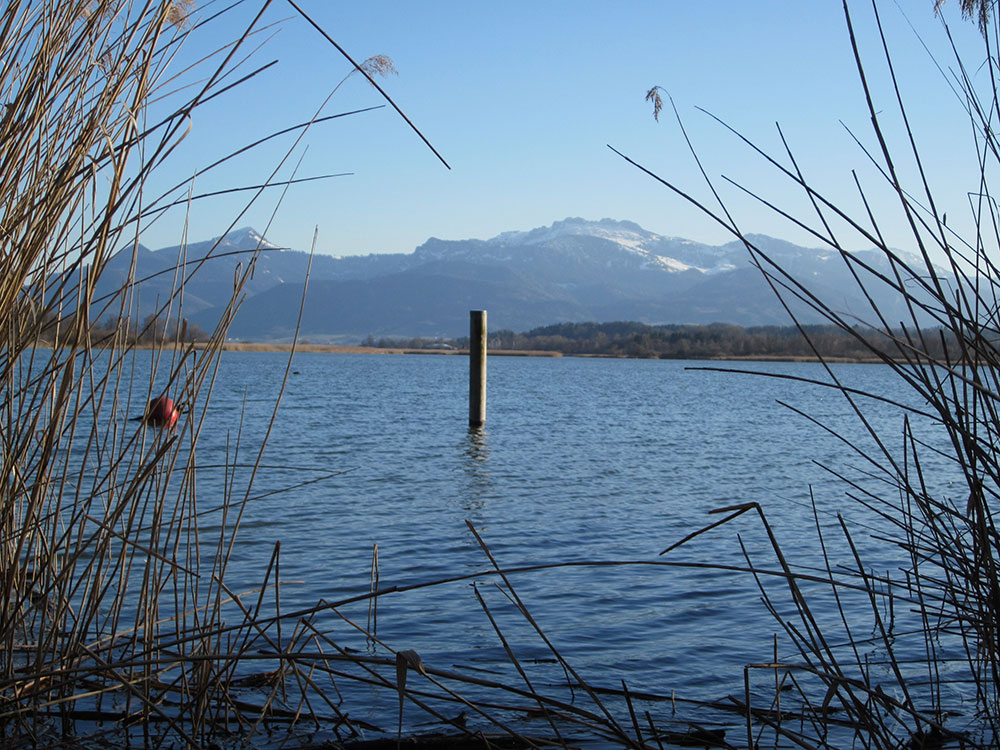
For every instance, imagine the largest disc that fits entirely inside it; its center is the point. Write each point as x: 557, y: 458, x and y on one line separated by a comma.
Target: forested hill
x: 630, y: 339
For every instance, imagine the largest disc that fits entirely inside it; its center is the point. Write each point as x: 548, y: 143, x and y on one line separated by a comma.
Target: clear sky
x: 523, y: 97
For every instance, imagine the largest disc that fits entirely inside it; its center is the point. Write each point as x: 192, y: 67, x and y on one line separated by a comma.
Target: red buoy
x: 161, y: 412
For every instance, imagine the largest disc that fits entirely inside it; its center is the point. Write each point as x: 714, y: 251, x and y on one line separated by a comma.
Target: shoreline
x: 246, y: 346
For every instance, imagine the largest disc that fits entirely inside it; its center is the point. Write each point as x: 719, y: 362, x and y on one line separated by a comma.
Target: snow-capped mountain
x: 621, y: 244
x: 573, y: 270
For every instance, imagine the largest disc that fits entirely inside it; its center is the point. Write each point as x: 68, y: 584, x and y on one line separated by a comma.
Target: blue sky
x: 522, y: 99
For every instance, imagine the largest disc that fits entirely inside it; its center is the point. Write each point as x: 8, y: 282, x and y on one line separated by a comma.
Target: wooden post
x: 477, y: 368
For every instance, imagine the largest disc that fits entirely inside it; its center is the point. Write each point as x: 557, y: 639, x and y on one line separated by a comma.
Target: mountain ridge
x: 573, y: 270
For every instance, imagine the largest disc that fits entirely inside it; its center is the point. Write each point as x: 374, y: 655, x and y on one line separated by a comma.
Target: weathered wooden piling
x: 477, y: 368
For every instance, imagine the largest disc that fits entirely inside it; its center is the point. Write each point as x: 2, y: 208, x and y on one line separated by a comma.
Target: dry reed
x: 914, y: 660
x: 115, y: 605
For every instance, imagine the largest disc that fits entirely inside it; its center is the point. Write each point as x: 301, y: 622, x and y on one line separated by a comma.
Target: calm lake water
x: 581, y: 460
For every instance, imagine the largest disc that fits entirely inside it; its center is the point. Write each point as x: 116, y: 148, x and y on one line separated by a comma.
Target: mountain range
x: 572, y: 271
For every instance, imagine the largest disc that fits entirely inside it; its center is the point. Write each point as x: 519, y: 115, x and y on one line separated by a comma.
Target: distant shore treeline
x: 715, y: 341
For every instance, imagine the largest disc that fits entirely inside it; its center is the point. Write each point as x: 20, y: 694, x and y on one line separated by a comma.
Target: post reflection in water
x: 477, y: 468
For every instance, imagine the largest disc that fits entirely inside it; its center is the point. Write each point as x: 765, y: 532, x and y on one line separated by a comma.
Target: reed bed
x: 913, y: 661
x: 109, y: 607
x: 116, y: 621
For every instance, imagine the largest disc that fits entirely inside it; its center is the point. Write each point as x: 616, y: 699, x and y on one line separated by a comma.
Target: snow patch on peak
x: 672, y: 264
x: 626, y: 233
x: 249, y: 235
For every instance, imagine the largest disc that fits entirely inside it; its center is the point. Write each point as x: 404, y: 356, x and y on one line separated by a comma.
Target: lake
x: 581, y: 461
